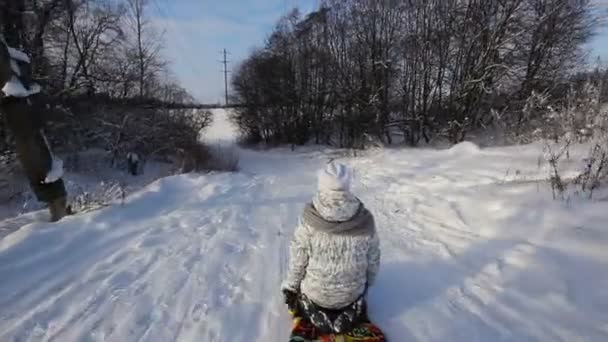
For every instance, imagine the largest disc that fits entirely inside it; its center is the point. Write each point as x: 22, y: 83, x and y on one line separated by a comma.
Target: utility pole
x: 226, y: 71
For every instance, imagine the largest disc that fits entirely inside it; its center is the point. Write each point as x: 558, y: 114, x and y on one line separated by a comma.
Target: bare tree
x: 356, y: 69
x: 23, y: 109
x: 147, y: 44
x: 93, y: 28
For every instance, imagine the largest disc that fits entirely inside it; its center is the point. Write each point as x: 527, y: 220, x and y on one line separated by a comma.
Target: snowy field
x: 221, y: 131
x: 474, y: 249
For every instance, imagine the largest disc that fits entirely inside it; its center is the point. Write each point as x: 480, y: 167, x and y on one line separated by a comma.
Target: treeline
x: 359, y: 69
x: 104, y: 82
x: 91, y: 47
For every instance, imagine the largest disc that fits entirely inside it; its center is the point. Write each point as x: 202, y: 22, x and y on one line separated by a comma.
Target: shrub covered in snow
x: 104, y: 193
x: 123, y: 130
x: 581, y: 121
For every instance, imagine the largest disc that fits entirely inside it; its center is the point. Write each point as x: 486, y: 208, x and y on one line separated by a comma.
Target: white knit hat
x: 335, y: 177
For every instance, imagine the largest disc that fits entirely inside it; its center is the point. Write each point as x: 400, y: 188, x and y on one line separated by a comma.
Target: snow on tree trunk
x: 56, y: 171
x: 15, y: 88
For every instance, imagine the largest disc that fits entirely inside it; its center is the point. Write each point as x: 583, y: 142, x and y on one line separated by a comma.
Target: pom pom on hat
x: 335, y: 177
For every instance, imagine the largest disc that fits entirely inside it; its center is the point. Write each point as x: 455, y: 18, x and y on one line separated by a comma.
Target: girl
x: 334, y: 256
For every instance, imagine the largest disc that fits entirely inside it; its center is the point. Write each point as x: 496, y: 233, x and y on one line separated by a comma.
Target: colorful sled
x: 304, y: 331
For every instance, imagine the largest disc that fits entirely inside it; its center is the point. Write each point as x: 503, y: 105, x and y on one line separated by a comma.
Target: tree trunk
x: 24, y: 119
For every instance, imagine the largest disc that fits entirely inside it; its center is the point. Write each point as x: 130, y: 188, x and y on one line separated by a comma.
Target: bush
x: 581, y: 119
x: 192, y: 158
x: 595, y: 171
x: 105, y: 193
x: 148, y: 132
x: 223, y: 158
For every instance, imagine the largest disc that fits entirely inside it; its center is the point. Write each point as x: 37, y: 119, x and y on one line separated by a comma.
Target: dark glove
x: 291, y: 299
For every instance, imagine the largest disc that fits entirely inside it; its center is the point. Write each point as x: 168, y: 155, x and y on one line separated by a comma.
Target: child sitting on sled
x: 334, y: 256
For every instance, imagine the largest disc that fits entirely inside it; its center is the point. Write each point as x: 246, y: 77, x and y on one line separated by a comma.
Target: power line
x: 226, y: 71
x: 167, y: 14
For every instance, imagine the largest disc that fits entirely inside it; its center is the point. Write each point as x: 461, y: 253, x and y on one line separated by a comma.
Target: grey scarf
x: 362, y: 223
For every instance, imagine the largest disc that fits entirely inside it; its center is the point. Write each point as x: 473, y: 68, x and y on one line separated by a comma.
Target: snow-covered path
x: 191, y: 258
x: 471, y: 252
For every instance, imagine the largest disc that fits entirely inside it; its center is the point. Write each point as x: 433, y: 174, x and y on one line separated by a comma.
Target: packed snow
x: 473, y: 249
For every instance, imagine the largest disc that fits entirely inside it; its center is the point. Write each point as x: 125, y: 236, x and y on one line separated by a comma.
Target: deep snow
x: 474, y: 249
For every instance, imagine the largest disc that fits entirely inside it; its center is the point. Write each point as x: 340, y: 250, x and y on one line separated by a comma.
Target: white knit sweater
x: 331, y: 262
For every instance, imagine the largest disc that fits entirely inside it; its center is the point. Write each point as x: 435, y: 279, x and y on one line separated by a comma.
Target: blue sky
x: 196, y: 31
x: 599, y: 45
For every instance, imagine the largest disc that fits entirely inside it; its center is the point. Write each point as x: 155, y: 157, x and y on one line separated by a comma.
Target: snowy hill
x: 474, y: 249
